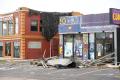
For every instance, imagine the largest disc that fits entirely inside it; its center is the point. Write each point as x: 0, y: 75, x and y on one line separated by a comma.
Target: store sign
x: 114, y: 16
x: 67, y: 20
x: 95, y: 20
x: 33, y: 44
x: 69, y: 28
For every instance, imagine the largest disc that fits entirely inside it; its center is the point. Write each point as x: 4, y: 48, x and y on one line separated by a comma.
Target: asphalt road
x: 30, y: 72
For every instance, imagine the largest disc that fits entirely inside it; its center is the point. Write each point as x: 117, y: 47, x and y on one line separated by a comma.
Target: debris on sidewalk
x: 54, y: 62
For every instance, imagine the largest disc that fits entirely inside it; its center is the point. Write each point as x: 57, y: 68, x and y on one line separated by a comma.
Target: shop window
x: 68, y: 45
x: 91, y: 46
x: 41, y: 22
x: 16, y: 49
x: 0, y: 28
x: 109, y: 35
x: 1, y: 48
x: 7, y: 49
x: 109, y: 44
x: 5, y: 28
x: 100, y: 35
x: 34, y: 25
x: 104, y: 43
x: 16, y: 25
x: 10, y: 27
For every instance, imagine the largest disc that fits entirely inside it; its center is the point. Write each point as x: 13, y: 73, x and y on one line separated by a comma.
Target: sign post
x: 115, y: 19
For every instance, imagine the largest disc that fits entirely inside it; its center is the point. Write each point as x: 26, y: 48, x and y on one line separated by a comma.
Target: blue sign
x: 69, y: 28
x: 69, y: 20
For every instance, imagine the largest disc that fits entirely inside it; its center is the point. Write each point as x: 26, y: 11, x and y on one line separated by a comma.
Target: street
x: 25, y: 71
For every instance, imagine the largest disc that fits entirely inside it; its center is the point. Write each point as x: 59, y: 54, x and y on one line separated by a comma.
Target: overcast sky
x: 83, y: 6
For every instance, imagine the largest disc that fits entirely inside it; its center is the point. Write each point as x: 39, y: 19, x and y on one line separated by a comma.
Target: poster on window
x: 78, y: 44
x: 85, y: 46
x: 68, y: 49
x: 78, y: 48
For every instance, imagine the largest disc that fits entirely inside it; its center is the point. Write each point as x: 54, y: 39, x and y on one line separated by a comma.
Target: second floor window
x: 16, y: 25
x: 0, y: 28
x: 11, y: 32
x: 5, y: 28
x: 34, y: 25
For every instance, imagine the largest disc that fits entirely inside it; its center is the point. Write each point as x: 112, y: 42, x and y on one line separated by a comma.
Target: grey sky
x: 83, y: 6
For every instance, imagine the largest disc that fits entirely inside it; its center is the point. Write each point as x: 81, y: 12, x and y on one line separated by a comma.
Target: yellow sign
x: 116, y: 16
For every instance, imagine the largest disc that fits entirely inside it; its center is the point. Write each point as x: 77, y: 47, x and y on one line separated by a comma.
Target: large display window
x: 78, y: 45
x: 91, y: 46
x: 104, y: 44
x: 68, y: 45
x: 16, y: 49
x: 8, y: 49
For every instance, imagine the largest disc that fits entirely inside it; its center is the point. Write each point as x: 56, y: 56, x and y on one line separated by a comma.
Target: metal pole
x: 115, y: 46
x: 50, y: 47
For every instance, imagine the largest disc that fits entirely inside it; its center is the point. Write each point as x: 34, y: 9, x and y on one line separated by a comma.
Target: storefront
x: 100, y: 33
x: 69, y: 29
x: 97, y: 38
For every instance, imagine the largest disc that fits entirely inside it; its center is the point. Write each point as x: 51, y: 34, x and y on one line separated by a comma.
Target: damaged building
x: 29, y: 34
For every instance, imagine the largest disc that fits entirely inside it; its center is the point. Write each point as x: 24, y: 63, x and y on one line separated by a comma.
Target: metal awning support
x: 115, y: 46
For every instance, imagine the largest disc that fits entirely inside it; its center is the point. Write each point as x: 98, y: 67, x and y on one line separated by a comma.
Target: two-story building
x: 30, y: 34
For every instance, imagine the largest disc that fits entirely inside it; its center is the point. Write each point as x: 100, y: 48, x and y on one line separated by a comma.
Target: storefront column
x: 61, y: 45
x: 115, y: 46
x: 22, y: 47
x: 12, y: 49
x: 22, y: 31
